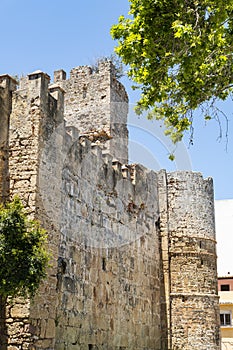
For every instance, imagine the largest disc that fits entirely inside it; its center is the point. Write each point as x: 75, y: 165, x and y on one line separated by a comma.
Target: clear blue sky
x: 54, y: 34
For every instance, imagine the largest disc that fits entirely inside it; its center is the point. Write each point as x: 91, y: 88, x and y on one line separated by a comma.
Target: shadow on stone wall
x: 163, y: 299
x: 3, y: 327
x: 164, y: 325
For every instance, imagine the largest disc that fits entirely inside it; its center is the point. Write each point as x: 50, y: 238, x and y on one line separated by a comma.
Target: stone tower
x: 34, y: 111
x: 189, y: 260
x: 96, y: 103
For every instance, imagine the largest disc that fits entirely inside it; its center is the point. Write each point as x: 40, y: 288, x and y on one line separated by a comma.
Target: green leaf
x: 171, y: 157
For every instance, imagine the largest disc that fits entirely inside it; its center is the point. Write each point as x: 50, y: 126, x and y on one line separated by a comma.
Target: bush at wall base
x: 23, y: 254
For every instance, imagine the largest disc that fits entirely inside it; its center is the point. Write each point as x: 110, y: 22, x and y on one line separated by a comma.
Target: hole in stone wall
x: 112, y: 324
x: 132, y: 263
x: 103, y: 264
x: 90, y: 346
x: 157, y: 224
x: 61, y: 265
x: 94, y: 293
x: 84, y: 91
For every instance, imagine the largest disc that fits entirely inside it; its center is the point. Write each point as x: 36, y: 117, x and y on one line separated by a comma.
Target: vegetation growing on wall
x: 117, y: 62
x: 23, y: 257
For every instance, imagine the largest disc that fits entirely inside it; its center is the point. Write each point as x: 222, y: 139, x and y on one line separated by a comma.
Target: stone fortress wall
x: 133, y: 260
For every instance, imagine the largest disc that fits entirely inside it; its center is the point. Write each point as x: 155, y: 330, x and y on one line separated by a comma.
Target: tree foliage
x: 180, y: 53
x: 23, y: 257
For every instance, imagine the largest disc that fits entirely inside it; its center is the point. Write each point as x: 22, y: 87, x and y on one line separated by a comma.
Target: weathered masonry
x: 133, y: 251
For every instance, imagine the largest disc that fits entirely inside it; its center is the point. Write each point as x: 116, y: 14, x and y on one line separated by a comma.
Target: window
x: 225, y: 287
x: 225, y: 318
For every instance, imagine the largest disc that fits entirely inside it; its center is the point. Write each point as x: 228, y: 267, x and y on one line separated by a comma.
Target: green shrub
x: 23, y: 255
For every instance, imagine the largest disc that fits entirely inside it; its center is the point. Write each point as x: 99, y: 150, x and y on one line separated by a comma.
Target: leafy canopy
x: 180, y: 53
x: 23, y: 258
